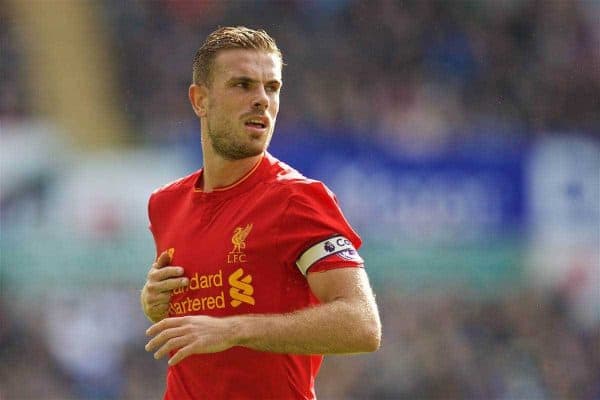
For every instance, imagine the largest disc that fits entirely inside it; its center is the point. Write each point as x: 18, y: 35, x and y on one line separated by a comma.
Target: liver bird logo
x: 239, y: 238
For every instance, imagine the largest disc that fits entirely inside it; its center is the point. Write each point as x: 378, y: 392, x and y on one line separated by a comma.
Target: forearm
x: 339, y: 326
x: 347, y: 321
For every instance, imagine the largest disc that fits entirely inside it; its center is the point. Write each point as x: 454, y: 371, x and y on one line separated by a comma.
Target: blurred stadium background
x: 462, y: 140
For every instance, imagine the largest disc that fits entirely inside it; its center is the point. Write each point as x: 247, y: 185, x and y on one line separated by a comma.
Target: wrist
x: 239, y: 326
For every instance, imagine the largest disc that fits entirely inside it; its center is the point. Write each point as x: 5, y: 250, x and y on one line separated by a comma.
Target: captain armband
x: 337, y: 245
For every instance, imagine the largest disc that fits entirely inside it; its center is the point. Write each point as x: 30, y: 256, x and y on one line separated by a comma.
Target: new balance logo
x: 241, y: 290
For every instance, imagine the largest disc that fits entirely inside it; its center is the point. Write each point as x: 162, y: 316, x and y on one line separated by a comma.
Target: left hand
x: 190, y: 335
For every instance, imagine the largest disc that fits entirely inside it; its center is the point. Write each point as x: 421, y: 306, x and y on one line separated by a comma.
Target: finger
x: 159, y: 309
x: 181, y: 354
x: 156, y: 275
x: 163, y: 337
x: 168, y: 285
x: 156, y: 297
x: 163, y: 260
x: 172, y: 344
x: 164, y: 324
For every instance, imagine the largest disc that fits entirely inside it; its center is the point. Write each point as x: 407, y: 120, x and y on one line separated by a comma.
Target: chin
x: 256, y: 151
x: 241, y: 153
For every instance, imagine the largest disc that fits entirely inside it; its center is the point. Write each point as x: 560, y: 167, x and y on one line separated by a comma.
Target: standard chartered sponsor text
x: 199, y: 303
x: 241, y: 291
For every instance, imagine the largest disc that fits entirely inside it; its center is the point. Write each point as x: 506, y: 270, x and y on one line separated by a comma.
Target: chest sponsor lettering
x: 208, y: 291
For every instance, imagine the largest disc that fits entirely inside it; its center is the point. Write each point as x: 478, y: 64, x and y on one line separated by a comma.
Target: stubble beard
x: 225, y: 144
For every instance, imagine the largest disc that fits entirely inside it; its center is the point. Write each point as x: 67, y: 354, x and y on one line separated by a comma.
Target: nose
x: 261, y: 101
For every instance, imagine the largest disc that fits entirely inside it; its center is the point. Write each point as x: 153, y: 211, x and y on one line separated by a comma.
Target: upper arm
x: 350, y: 302
x: 351, y: 284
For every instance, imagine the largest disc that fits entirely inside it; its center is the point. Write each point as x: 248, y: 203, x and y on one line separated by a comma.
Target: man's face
x: 243, y: 102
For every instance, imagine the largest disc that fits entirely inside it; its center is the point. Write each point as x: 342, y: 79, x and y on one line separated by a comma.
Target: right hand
x: 162, y: 279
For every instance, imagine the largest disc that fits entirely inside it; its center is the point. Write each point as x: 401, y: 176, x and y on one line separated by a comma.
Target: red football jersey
x: 246, y: 248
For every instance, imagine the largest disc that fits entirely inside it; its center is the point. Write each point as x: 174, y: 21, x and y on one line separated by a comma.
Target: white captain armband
x: 337, y: 245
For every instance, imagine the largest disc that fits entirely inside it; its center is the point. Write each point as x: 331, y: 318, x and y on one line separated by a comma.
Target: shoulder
x: 293, y: 183
x: 163, y: 199
x: 181, y: 184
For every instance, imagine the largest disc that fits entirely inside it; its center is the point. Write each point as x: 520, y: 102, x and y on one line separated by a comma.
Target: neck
x: 220, y: 172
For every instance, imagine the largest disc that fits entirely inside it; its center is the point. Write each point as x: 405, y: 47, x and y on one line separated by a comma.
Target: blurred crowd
x: 393, y: 69
x: 523, y: 345
x: 413, y: 74
x: 14, y: 103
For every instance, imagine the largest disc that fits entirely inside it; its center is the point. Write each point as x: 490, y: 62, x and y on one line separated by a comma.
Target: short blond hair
x: 227, y: 38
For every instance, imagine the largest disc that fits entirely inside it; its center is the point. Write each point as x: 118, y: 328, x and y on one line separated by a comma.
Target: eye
x: 243, y: 85
x: 272, y: 88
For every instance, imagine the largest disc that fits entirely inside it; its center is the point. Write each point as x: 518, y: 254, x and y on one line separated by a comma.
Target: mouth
x: 258, y: 124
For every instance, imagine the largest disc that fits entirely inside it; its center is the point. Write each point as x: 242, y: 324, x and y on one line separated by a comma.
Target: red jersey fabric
x: 239, y: 247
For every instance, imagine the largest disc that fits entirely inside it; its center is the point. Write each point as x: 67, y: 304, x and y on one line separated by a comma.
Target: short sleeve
x: 151, y: 226
x: 314, y: 234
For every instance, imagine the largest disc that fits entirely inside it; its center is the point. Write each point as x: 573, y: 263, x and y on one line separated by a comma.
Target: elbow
x: 369, y: 332
x: 371, y: 337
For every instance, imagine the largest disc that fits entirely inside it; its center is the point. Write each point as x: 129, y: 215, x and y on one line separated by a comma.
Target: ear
x: 198, y: 95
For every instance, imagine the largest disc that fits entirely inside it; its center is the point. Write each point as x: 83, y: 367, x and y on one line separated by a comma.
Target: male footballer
x: 257, y: 275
